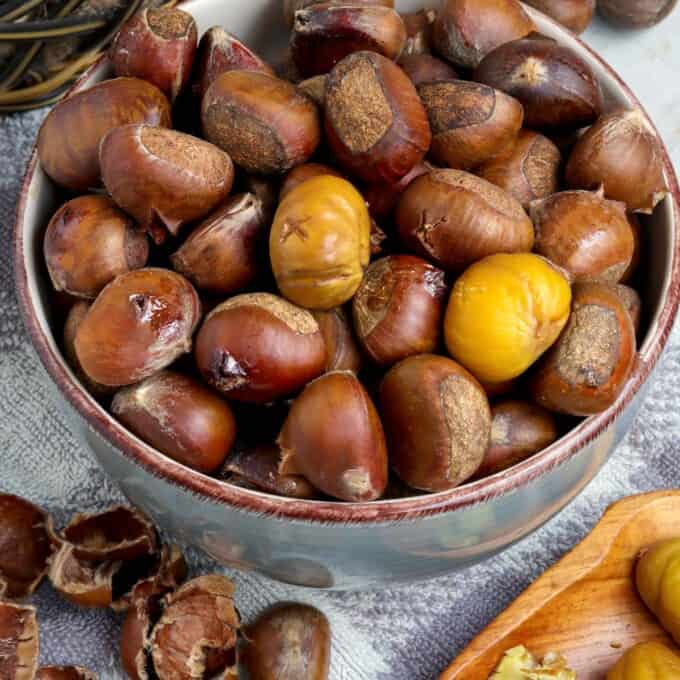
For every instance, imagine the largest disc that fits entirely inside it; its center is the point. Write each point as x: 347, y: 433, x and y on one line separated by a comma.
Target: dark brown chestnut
x: 287, y: 642
x: 88, y: 242
x: 399, y: 307
x: 382, y: 197
x: 555, y: 86
x: 576, y: 15
x: 424, y: 68
x: 64, y: 673
x: 622, y: 153
x: 342, y: 351
x: 315, y: 89
x: 334, y: 438
x: 302, y: 173
x: 586, y: 369
x: 259, y: 347
x: 437, y: 422
x: 467, y: 30
x: 635, y: 14
x: 222, y: 254
x: 19, y: 641
x: 290, y: 7
x: 376, y: 124
x: 632, y: 302
x: 264, y: 123
x: 139, y: 324
x: 266, y: 189
x: 69, y: 138
x: 157, y: 45
x: 454, y: 218
x: 419, y: 27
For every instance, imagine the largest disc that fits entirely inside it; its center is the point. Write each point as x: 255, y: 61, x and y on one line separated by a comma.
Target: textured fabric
x: 403, y: 633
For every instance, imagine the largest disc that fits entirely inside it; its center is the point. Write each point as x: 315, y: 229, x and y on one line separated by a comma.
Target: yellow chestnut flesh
x: 647, y: 661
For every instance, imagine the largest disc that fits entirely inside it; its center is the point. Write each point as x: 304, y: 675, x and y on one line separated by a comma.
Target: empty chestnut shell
x: 264, y: 123
x: 157, y: 45
x: 287, y: 642
x: 376, y: 124
x: 18, y: 641
x: 635, y: 14
x: 302, y: 173
x: 382, y: 197
x: 64, y: 673
x: 554, y: 85
x: 135, y: 638
x: 632, y: 302
x: 437, y: 422
x: 259, y: 347
x: 622, y: 153
x: 424, y: 68
x: 419, y: 26
x: 139, y: 324
x: 454, y: 218
x: 69, y: 138
x: 334, y: 438
x: 88, y: 242
x: 154, y: 173
x: 342, y: 352
x: 576, y: 15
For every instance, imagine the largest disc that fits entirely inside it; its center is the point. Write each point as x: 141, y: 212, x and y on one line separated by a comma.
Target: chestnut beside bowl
x: 340, y: 545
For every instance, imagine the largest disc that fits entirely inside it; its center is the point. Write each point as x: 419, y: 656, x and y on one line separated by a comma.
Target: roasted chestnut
x: 334, y: 438
x: 454, y: 218
x: 376, y: 124
x: 64, y: 673
x: 382, y: 197
x: 437, y: 422
x: 632, y: 302
x: 290, y: 7
x: 140, y: 323
x: 19, y: 641
x: 342, y: 352
x: 424, y: 68
x: 635, y: 14
x: 302, y: 173
x: 419, y: 27
x: 576, y: 15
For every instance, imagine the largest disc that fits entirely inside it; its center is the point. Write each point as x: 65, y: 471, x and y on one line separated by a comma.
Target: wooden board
x: 586, y: 605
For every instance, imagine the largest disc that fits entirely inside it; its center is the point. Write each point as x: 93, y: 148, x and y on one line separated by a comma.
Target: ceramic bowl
x: 336, y: 545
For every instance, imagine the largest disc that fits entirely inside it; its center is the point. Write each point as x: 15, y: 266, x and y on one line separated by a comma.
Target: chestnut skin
x: 454, y: 218
x: 399, y: 307
x: 180, y: 417
x: 382, y: 197
x: 19, y: 641
x: 424, y: 68
x: 287, y: 642
x: 88, y: 242
x: 576, y: 15
x: 69, y: 138
x: 586, y: 369
x: 258, y: 347
x: 419, y: 26
x: 437, y: 422
x: 334, y: 438
x: 302, y: 173
x: 635, y: 14
x: 157, y: 45
x: 139, y: 324
x: 342, y: 351
x: 366, y: 86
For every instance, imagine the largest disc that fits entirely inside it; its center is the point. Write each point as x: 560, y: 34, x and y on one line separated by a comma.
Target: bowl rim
x: 334, y: 512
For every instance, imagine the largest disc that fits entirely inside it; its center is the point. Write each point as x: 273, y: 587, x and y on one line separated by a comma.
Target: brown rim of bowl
x: 102, y: 424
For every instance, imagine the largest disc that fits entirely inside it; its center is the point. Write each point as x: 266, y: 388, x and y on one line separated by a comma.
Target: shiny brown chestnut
x: 399, y: 307
x: 323, y: 34
x: 88, y: 242
x: 264, y: 123
x: 302, y: 173
x: 467, y: 30
x: 437, y: 422
x: 470, y: 122
x: 622, y: 153
x: 158, y: 174
x: 69, y: 138
x: 139, y: 324
x: 576, y: 15
x: 157, y: 45
x: 258, y: 347
x: 528, y: 169
x: 586, y: 369
x: 556, y: 87
x: 222, y: 254
x: 585, y: 234
x: 424, y: 68
x: 382, y: 197
x: 635, y: 14
x: 180, y: 417
x: 454, y: 218
x: 419, y: 27
x: 64, y: 673
x: 632, y: 302
x: 19, y: 641
x: 287, y: 642
x: 290, y: 7
x: 342, y: 351
x: 334, y: 438
x: 315, y: 89
x: 376, y: 124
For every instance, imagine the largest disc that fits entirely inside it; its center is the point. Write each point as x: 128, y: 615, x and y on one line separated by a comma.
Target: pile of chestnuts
x: 403, y: 266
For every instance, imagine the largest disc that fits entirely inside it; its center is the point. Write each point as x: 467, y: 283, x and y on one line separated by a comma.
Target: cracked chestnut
x: 419, y: 27
x: 19, y: 641
x: 64, y: 673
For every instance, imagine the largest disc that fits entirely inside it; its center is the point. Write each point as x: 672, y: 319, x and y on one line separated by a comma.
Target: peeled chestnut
x: 19, y: 641
x: 69, y: 138
x: 465, y: 31
x: 139, y: 324
x: 576, y: 15
x: 290, y: 7
x: 399, y: 307
x: 635, y: 14
x: 632, y: 302
x: 287, y: 642
x: 158, y: 45
x: 315, y: 89
x: 259, y: 347
x: 382, y: 197
x: 470, y: 122
x: 419, y: 27
x: 454, y: 218
x: 527, y: 169
x: 437, y: 422
x: 424, y: 68
x: 587, y: 368
x: 64, y: 673
x: 154, y: 173
x: 222, y: 254
x: 342, y: 351
x: 302, y: 173
x: 584, y: 233
x: 323, y: 34
x: 88, y: 242
x: 334, y: 438
x: 555, y: 86
x: 376, y: 124
x: 622, y: 153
